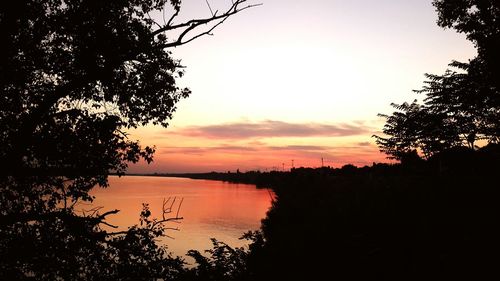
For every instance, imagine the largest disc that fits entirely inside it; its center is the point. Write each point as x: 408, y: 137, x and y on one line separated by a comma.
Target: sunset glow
x: 298, y: 80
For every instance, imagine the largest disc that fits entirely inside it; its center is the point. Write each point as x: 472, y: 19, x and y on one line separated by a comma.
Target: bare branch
x: 92, y: 211
x: 154, y: 225
x: 194, y: 23
x: 171, y: 219
x: 117, y: 233
x: 177, y: 10
x: 108, y: 224
x: 179, y: 41
x: 180, y: 204
x: 104, y: 215
x: 210, y: 8
x: 167, y: 209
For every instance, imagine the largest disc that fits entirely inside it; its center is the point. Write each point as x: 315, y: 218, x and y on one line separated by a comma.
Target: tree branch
x: 194, y: 23
x: 104, y: 215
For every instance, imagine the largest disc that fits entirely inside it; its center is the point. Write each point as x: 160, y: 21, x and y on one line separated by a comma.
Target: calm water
x: 210, y: 208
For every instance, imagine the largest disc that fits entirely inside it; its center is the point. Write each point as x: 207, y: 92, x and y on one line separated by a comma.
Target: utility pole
x: 292, y: 164
x: 322, y: 164
x: 283, y: 165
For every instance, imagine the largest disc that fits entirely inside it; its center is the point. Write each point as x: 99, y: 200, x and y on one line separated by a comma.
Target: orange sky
x: 298, y: 80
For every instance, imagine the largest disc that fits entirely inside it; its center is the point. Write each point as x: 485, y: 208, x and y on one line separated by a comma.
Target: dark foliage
x: 479, y: 20
x: 462, y: 106
x: 433, y: 221
x: 419, y: 220
x: 74, y: 75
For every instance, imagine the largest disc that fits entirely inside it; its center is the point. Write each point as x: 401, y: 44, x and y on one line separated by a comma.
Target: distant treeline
x: 455, y: 159
x: 434, y: 219
x: 260, y: 179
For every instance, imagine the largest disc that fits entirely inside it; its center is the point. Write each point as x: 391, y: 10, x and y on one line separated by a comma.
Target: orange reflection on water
x: 209, y: 209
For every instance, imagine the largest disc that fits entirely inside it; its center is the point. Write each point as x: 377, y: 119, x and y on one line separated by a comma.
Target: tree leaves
x: 74, y: 76
x: 457, y: 110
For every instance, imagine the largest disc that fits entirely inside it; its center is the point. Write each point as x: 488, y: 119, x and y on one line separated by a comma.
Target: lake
x: 209, y: 208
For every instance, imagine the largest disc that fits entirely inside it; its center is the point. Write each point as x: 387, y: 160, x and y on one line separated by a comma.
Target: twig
x: 210, y: 8
x: 192, y: 24
x: 178, y: 209
x: 108, y: 224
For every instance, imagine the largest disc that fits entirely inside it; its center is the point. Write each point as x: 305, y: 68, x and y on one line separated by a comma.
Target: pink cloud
x: 270, y: 128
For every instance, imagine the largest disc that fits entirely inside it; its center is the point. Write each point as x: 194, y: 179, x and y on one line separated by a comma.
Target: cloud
x: 207, y: 149
x: 365, y: 143
x: 301, y: 147
x: 262, y: 149
x: 272, y: 129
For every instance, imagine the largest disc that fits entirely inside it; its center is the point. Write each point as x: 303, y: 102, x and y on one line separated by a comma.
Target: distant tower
x: 283, y: 165
x: 292, y: 164
x: 322, y: 164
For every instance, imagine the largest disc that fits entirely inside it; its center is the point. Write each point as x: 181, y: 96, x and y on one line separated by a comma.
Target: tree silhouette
x: 416, y: 127
x: 467, y: 100
x: 459, y: 109
x: 478, y: 20
x: 74, y: 76
x: 462, y: 106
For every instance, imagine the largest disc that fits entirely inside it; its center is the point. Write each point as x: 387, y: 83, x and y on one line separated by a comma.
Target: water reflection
x: 210, y: 208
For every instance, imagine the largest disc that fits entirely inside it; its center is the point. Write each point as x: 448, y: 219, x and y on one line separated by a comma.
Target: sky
x: 297, y: 83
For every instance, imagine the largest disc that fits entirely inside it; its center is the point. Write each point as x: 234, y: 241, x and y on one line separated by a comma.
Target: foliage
x: 419, y: 220
x: 467, y: 99
x: 227, y: 263
x: 462, y: 106
x: 224, y: 263
x: 63, y: 245
x: 459, y: 109
x: 479, y: 20
x: 386, y: 222
x: 412, y: 128
x: 74, y: 76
